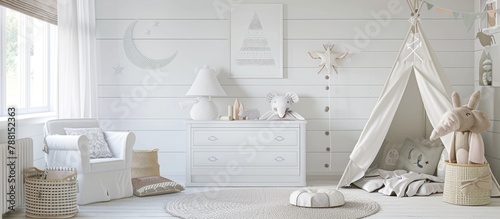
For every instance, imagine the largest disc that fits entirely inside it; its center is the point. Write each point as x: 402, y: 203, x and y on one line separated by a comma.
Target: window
x: 28, y: 64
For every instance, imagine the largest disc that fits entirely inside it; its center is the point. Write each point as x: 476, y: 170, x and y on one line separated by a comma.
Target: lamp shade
x: 206, y: 84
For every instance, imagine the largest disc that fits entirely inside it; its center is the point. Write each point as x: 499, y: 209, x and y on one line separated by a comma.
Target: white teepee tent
x: 416, y: 88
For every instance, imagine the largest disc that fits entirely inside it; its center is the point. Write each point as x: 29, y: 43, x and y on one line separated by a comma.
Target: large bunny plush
x: 280, y: 107
x: 467, y: 123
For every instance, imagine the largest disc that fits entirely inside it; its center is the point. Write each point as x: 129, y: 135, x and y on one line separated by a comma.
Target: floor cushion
x: 317, y: 198
x: 154, y: 185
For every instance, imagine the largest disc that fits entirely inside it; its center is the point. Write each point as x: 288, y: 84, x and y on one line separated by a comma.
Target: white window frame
x: 49, y: 68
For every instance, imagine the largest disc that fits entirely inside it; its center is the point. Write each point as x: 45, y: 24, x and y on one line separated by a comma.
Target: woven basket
x: 51, y: 193
x: 145, y: 163
x: 458, y: 175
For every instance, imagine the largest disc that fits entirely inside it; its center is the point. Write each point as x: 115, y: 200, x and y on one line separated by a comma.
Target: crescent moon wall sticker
x: 136, y: 57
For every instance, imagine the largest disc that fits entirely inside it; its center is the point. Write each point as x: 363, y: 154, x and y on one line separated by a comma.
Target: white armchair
x: 99, y: 179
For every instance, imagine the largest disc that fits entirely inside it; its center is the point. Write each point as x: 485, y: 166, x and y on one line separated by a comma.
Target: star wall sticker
x: 118, y: 69
x: 328, y: 58
x: 153, y: 26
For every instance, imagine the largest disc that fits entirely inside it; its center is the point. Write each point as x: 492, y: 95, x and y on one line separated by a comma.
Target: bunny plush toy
x: 466, y: 123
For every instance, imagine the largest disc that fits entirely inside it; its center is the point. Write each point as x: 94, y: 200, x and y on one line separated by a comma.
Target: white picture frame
x: 256, y: 41
x: 490, y: 23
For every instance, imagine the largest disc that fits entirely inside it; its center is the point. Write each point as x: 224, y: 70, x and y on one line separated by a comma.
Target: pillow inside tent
x: 420, y: 156
x: 387, y: 157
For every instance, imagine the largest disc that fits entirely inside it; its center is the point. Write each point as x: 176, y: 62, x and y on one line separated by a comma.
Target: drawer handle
x: 279, y: 159
x: 279, y: 138
x: 212, y: 159
x: 327, y: 148
x: 212, y: 138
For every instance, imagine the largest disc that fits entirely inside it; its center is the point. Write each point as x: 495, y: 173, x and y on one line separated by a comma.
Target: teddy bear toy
x: 466, y: 123
x: 280, y: 107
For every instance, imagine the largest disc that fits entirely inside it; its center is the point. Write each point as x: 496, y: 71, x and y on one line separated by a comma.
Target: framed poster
x: 256, y: 41
x: 490, y: 22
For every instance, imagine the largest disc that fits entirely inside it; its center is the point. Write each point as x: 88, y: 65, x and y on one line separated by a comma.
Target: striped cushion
x: 154, y: 185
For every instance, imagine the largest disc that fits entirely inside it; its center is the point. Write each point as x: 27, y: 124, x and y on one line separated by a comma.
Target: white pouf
x: 317, y: 198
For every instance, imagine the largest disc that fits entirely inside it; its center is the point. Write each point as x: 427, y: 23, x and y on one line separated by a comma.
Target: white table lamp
x: 204, y: 87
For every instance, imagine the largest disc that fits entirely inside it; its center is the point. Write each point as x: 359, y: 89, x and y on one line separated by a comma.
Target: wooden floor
x: 391, y: 207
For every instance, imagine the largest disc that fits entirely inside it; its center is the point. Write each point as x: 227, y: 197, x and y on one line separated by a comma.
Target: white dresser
x: 246, y: 153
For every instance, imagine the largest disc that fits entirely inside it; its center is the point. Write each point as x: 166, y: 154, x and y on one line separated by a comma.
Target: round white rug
x: 262, y: 203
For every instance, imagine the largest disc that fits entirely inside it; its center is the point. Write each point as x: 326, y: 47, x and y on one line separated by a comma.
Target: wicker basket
x: 51, y: 193
x: 459, y: 176
x: 145, y: 163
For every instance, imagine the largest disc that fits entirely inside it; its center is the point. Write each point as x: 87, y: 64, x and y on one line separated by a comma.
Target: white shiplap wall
x: 490, y: 103
x: 147, y: 102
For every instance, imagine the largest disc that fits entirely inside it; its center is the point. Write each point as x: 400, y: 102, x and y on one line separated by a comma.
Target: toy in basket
x: 468, y: 179
x: 51, y: 193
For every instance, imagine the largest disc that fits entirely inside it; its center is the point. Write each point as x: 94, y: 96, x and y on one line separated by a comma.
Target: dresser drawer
x: 246, y: 153
x: 260, y: 159
x: 242, y: 137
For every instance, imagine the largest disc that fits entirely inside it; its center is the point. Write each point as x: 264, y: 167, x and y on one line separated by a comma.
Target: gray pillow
x: 387, y: 157
x: 98, y: 147
x: 417, y: 156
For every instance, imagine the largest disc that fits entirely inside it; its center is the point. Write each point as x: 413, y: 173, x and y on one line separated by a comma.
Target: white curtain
x: 77, y: 65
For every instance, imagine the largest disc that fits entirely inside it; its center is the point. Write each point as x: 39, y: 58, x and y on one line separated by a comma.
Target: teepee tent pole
x: 410, y: 5
x: 419, y: 7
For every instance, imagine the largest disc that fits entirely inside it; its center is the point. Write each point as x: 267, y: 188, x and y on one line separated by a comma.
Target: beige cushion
x: 154, y: 185
x: 98, y: 147
x: 317, y: 198
x: 145, y: 163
